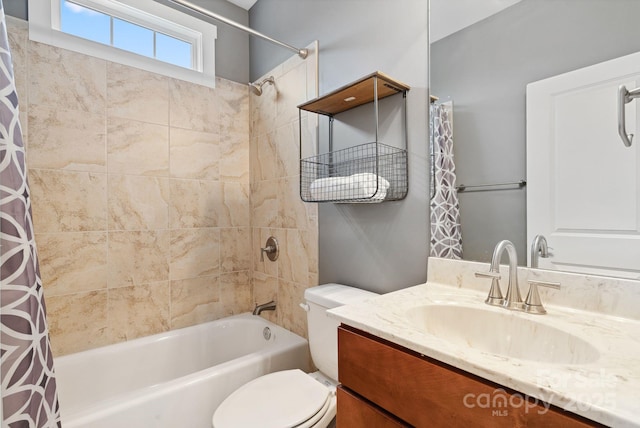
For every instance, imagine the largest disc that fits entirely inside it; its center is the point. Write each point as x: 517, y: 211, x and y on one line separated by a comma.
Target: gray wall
x: 485, y: 68
x: 232, y: 46
x: 17, y: 8
x: 380, y: 247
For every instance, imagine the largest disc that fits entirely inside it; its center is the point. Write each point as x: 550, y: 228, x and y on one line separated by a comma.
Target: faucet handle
x: 532, y: 303
x: 492, y: 275
x: 548, y: 284
x: 495, y: 293
x: 271, y: 248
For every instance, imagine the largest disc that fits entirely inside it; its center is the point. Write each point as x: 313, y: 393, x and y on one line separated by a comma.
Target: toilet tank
x: 323, y: 330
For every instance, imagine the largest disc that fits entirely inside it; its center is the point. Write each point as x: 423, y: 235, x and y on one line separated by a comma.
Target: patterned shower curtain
x: 29, y: 397
x: 446, y: 235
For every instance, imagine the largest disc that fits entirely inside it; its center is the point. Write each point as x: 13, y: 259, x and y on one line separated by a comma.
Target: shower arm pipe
x: 188, y: 5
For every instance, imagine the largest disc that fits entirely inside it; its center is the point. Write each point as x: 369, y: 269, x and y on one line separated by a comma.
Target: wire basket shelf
x: 366, y: 173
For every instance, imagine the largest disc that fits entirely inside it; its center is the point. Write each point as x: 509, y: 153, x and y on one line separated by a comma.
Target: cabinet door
x: 354, y: 412
x: 425, y: 393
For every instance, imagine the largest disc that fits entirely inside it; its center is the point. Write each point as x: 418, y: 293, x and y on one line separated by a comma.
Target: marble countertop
x: 606, y: 391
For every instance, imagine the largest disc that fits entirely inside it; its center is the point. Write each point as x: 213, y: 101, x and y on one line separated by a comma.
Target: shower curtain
x: 446, y: 235
x: 29, y: 397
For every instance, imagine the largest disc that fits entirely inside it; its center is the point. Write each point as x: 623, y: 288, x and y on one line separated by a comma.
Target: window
x: 150, y: 36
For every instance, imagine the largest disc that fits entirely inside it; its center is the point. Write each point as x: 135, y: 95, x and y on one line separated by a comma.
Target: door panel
x: 582, y: 183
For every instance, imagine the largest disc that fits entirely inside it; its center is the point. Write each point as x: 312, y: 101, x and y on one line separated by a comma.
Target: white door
x: 582, y: 183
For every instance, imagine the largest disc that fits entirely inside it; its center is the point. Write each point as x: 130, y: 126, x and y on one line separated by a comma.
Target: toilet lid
x: 282, y: 399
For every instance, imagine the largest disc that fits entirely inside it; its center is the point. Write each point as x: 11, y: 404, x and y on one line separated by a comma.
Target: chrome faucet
x: 539, y: 248
x: 269, y: 306
x: 513, y: 299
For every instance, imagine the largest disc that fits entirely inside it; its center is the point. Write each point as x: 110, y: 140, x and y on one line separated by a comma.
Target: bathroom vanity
x: 396, y: 385
x: 435, y: 355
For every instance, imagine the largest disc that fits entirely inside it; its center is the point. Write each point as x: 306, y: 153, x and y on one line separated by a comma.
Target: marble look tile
x: 310, y: 131
x: 312, y: 70
x: 137, y: 258
x: 77, y: 322
x: 292, y: 210
x: 138, y: 203
x: 137, y: 148
x: 236, y: 249
x: 288, y: 150
x: 138, y: 311
x: 234, y: 157
x: 230, y: 85
x: 234, y: 106
x: 312, y: 217
x: 195, y: 301
x: 234, y: 131
x: 314, y: 279
x: 68, y: 201
x: 259, y: 238
x: 290, y: 295
x: 18, y: 35
x: 195, y: 252
x: 292, y: 91
x: 263, y: 110
x: 235, y: 206
x: 290, y: 63
x: 194, y: 154
x: 264, y: 204
x: 137, y: 94
x: 236, y: 293
x: 311, y: 244
x: 294, y: 257
x: 64, y: 79
x: 263, y: 157
x: 193, y: 107
x: 194, y: 203
x: 66, y: 139
x: 72, y: 262
x: 265, y: 289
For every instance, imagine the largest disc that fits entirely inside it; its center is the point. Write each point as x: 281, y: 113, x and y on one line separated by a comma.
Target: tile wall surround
x: 607, y: 295
x: 276, y: 207
x: 140, y: 194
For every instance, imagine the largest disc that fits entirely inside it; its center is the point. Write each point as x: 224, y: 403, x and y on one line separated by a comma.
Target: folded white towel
x: 357, y: 186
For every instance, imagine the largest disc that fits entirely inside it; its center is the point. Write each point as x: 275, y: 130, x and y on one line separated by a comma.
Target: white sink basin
x: 503, y: 333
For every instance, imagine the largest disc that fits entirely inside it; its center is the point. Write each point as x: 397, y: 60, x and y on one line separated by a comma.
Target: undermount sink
x: 503, y: 333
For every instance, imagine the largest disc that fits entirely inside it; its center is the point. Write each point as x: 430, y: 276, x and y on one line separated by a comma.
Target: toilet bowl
x: 293, y: 398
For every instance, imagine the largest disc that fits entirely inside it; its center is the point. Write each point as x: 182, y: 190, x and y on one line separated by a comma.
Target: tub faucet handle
x: 271, y: 248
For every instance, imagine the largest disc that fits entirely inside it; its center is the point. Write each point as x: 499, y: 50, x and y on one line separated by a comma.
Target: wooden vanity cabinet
x: 386, y: 385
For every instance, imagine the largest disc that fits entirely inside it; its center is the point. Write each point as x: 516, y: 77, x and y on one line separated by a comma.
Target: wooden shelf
x: 354, y: 94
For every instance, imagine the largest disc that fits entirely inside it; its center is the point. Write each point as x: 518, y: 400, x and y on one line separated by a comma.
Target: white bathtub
x: 175, y: 379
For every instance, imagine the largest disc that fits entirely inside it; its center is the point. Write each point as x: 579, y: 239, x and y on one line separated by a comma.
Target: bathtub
x: 174, y: 379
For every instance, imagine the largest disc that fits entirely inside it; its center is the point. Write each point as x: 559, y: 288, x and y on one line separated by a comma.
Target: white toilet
x: 292, y: 398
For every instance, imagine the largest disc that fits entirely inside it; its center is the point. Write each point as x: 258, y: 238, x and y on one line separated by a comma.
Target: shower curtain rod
x: 186, y: 4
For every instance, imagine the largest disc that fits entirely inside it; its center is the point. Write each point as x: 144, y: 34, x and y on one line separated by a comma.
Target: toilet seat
x: 285, y: 399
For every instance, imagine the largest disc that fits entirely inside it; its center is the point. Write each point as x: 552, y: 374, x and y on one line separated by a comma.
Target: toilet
x: 293, y: 398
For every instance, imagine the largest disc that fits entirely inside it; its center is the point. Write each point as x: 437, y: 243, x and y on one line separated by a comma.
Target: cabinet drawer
x: 354, y: 412
x: 426, y: 393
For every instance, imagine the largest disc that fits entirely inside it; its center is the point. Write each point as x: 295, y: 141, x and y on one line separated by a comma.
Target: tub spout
x: 269, y: 306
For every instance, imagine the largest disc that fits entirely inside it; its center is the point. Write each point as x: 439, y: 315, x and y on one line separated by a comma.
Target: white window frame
x: 44, y: 27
